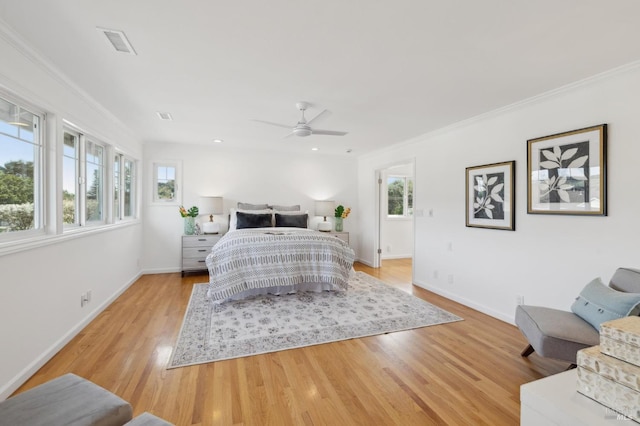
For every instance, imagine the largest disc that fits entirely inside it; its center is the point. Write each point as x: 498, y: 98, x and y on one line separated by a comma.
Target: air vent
x: 118, y: 40
x: 164, y: 116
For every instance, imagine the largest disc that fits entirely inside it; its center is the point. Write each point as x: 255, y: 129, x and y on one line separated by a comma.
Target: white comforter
x: 277, y: 260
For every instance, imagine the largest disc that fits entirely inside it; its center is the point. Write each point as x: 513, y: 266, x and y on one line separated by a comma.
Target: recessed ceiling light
x: 118, y: 40
x: 164, y: 116
x: 218, y: 140
x: 314, y: 149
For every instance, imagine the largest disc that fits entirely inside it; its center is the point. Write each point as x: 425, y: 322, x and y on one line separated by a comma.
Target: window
x: 83, y: 178
x: 124, y: 184
x: 94, y: 193
x: 21, y: 200
x: 399, y: 196
x: 166, y: 182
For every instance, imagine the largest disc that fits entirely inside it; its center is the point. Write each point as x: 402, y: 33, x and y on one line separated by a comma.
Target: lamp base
x: 324, y: 226
x: 210, y: 228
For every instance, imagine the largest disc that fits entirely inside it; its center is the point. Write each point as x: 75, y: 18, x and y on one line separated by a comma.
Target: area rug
x: 273, y: 323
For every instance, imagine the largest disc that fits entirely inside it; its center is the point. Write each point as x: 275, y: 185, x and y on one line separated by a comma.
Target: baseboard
x: 480, y: 308
x: 32, y: 368
x: 396, y: 256
x: 160, y: 271
x: 364, y: 262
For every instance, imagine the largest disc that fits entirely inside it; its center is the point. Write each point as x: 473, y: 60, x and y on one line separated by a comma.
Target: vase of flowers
x: 340, y: 214
x: 189, y: 219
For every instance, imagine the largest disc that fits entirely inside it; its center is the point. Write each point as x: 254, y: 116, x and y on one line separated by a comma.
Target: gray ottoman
x: 67, y: 400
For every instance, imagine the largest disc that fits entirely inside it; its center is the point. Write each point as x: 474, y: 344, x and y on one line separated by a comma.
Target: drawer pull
x: 201, y: 250
x: 202, y: 239
x: 200, y: 261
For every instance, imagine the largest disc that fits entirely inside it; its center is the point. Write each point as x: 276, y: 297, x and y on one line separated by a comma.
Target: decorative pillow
x: 295, y: 208
x: 250, y: 220
x: 233, y: 219
x: 598, y: 303
x: 292, y: 220
x: 248, y: 206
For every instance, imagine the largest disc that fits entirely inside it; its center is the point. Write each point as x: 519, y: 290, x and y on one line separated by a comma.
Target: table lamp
x: 210, y: 206
x: 325, y: 208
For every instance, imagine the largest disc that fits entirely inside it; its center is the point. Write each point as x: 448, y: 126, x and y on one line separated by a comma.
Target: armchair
x: 559, y: 334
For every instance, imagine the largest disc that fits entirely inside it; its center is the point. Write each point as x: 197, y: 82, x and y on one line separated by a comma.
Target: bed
x: 276, y: 259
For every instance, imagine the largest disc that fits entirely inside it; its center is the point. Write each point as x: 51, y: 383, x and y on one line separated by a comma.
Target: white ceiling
x: 387, y: 71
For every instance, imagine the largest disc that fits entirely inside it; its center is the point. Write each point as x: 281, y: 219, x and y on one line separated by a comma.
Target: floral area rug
x: 271, y: 323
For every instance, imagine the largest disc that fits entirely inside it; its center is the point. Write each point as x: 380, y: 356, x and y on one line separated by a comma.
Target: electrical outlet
x: 435, y: 274
x: 519, y: 300
x: 83, y: 300
x: 450, y: 279
x: 388, y: 249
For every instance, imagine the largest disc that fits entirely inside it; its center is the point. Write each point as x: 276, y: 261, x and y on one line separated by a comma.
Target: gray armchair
x: 559, y: 334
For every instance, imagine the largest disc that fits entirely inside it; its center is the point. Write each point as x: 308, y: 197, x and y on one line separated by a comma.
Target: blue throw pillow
x: 598, y: 303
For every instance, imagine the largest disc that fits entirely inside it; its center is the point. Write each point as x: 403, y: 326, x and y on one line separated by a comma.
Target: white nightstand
x: 195, y: 249
x: 344, y: 236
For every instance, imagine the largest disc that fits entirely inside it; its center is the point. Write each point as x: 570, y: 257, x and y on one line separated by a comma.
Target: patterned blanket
x: 262, y: 258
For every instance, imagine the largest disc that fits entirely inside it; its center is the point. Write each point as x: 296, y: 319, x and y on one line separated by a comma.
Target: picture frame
x: 567, y: 173
x: 490, y: 196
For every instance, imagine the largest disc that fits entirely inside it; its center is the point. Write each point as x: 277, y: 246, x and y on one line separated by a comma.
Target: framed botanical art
x: 491, y: 196
x: 567, y: 173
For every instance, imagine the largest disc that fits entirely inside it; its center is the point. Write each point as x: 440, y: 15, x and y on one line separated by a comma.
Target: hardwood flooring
x: 463, y: 373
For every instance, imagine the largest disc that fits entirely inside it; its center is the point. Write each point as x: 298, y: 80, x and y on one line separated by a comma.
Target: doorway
x: 395, y: 221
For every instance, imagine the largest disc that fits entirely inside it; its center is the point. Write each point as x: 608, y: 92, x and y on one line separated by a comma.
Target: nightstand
x: 344, y: 236
x: 195, y: 249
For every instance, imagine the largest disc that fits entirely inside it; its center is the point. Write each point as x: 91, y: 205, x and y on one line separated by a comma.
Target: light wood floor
x: 463, y: 373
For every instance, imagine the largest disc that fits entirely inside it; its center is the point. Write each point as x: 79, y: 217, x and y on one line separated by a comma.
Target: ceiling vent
x: 118, y: 40
x: 164, y: 116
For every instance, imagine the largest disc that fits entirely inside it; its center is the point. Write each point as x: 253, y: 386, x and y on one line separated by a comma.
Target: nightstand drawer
x: 193, y: 264
x: 199, y: 240
x: 195, y: 252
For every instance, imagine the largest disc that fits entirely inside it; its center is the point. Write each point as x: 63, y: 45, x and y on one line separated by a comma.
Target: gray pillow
x: 598, y: 303
x: 292, y: 220
x: 295, y: 208
x: 249, y: 220
x: 248, y: 206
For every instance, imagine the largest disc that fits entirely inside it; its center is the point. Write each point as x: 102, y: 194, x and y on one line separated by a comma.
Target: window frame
x: 119, y: 210
x: 407, y: 211
x: 39, y: 171
x: 177, y: 198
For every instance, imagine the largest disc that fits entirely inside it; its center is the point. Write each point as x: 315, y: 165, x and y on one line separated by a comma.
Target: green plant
x: 340, y: 211
x: 192, y: 212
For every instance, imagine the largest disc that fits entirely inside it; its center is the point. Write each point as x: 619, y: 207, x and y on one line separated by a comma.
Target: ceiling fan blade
x: 289, y: 135
x: 286, y: 126
x: 328, y: 132
x: 321, y: 113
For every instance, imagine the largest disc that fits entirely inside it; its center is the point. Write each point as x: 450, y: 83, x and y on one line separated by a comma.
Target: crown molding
x: 15, y: 40
x: 632, y: 66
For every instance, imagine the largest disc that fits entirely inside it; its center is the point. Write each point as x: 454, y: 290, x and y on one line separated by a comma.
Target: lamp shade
x: 210, y: 205
x: 325, y: 207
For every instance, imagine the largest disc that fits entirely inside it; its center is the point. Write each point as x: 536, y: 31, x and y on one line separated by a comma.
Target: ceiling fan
x: 303, y: 127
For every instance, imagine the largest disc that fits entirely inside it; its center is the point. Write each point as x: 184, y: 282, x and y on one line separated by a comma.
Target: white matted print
x: 567, y: 173
x: 490, y: 191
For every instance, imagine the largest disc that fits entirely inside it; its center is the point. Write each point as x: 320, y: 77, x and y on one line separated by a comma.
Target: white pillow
x: 233, y: 219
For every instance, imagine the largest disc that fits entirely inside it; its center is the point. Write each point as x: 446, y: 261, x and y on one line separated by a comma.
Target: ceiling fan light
x: 302, y: 131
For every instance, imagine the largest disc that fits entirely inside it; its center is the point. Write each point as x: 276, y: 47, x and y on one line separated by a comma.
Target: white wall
x: 40, y: 287
x: 238, y: 175
x: 548, y: 259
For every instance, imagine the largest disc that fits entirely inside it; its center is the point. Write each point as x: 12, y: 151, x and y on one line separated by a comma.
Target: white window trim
x: 405, y: 197
x: 177, y: 199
